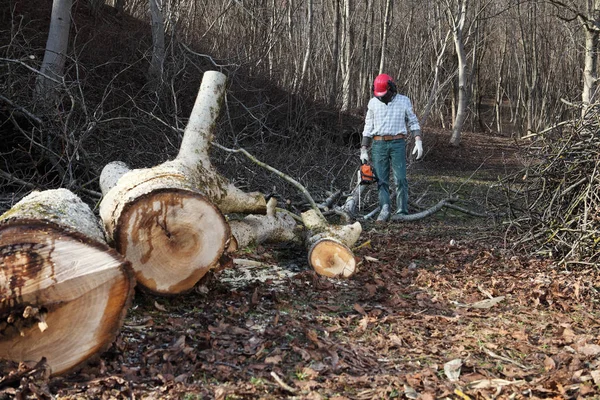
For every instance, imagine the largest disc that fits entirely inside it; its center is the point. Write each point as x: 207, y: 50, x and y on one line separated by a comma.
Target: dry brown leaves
x: 423, y: 318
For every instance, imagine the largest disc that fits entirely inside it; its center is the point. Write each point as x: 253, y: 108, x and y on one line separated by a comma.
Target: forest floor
x: 439, y: 308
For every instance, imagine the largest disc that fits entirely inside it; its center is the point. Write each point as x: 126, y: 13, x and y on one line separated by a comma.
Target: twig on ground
x: 281, y: 383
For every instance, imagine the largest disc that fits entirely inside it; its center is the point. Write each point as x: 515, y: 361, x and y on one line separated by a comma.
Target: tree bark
x: 329, y: 251
x: 590, y: 71
x: 53, y: 64
x: 346, y: 64
x: 384, y: 35
x: 168, y: 220
x: 257, y: 229
x: 458, y: 23
x: 64, y: 292
x: 158, y: 40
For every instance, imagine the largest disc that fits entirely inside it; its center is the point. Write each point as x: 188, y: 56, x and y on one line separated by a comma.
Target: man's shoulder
x: 373, y: 100
x: 401, y: 97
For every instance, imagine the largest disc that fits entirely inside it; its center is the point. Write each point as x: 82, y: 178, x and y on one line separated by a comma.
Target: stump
x: 64, y: 292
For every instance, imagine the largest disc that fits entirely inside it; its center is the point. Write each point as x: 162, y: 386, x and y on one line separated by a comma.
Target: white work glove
x: 364, y: 155
x: 418, y: 148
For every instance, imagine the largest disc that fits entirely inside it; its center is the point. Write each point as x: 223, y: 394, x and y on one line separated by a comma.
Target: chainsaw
x: 367, y: 174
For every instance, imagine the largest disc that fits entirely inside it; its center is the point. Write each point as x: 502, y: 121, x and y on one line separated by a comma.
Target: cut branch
x: 329, y: 246
x: 257, y: 229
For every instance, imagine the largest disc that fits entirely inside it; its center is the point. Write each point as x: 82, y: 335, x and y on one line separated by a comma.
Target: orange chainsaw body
x: 367, y: 174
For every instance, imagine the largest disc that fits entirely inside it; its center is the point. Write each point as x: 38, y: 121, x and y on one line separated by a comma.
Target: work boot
x: 384, y: 214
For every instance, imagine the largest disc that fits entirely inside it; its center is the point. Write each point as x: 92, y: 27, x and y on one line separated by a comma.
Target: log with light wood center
x: 172, y: 238
x: 63, y: 292
x: 168, y: 219
x: 329, y: 251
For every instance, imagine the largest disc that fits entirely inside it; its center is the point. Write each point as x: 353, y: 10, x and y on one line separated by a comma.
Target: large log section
x: 63, y: 291
x: 168, y: 220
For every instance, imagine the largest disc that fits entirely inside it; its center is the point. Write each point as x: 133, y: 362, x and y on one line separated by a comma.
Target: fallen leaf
x: 549, y: 364
x: 588, y: 349
x: 273, y: 360
x: 596, y: 376
x: 452, y: 369
x: 372, y: 259
x: 357, y: 307
x: 410, y: 392
x: 568, y: 335
x: 487, y: 303
x: 489, y: 383
x: 396, y: 340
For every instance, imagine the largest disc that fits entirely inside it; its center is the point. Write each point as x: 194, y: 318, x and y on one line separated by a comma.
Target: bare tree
x: 457, y: 14
x: 53, y: 65
x: 346, y: 64
x: 384, y: 34
x: 155, y: 69
x: 590, y: 22
x: 335, y: 52
x: 308, y: 50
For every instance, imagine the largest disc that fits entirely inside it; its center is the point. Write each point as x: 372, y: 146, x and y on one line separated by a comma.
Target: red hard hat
x: 382, y: 84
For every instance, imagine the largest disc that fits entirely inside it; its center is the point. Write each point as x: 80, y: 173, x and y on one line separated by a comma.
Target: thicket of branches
x: 556, y: 200
x: 106, y: 110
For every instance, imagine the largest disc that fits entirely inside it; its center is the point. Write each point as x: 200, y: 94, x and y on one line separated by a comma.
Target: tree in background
x: 589, y: 20
x: 53, y: 65
x: 155, y: 70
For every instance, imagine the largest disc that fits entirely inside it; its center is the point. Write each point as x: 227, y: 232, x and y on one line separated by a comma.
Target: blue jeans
x: 385, y: 154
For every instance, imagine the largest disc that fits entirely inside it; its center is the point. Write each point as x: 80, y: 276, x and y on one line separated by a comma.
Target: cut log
x: 63, y: 292
x: 171, y: 236
x: 168, y: 220
x: 329, y: 251
x: 257, y: 229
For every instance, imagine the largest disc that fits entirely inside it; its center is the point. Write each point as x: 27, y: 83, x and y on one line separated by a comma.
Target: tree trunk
x: 168, y: 220
x: 458, y: 23
x: 335, y: 51
x: 329, y: 251
x: 53, y: 65
x: 308, y: 51
x: 433, y: 94
x: 158, y: 40
x: 590, y: 71
x: 384, y: 35
x: 257, y: 229
x: 64, y: 292
x: 347, y: 55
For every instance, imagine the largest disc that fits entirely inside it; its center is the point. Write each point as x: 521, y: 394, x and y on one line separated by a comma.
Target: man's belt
x: 390, y: 137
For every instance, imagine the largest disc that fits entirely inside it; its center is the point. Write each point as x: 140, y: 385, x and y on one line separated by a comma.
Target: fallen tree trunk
x: 64, y: 292
x: 329, y: 251
x: 168, y: 220
x: 257, y: 229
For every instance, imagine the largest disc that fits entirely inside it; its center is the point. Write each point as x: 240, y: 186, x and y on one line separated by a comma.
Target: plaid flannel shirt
x: 391, y: 119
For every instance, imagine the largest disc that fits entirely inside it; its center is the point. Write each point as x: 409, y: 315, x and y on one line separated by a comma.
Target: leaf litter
x: 420, y: 319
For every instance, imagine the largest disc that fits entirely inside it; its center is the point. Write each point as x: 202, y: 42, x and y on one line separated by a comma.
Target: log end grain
x: 63, y: 295
x: 172, y: 238
x: 329, y: 257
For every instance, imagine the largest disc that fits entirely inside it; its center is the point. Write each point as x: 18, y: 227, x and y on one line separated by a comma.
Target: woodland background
x: 300, y: 73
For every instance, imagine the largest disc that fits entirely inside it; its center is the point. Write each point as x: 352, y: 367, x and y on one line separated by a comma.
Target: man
x: 389, y: 121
